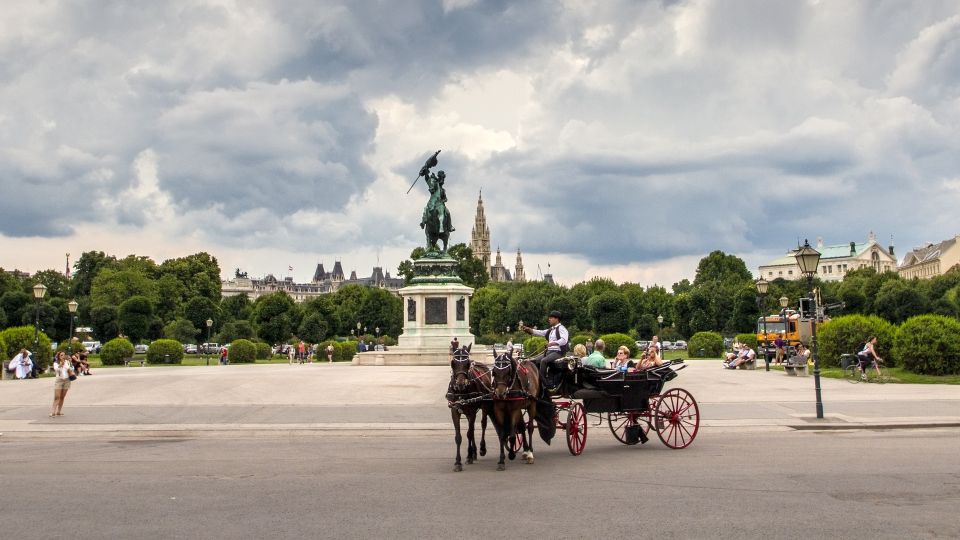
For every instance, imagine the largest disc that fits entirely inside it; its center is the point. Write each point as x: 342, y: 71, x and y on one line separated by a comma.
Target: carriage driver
x: 558, y: 339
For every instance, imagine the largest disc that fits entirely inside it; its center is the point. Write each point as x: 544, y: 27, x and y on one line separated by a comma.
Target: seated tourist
x: 650, y: 360
x: 580, y: 350
x: 623, y: 361
x: 802, y: 356
x: 746, y: 355
x: 596, y: 358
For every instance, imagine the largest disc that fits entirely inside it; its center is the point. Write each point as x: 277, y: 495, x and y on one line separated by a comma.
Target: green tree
x: 170, y: 297
x: 181, y: 330
x: 104, y: 321
x: 134, y: 317
x: 609, y: 312
x: 273, y: 317
x: 381, y: 309
x: 488, y: 311
x: 111, y: 287
x: 237, y: 307
x: 58, y: 285
x: 313, y: 329
x: 470, y: 269
x: 898, y: 300
x: 200, y: 308
x: 22, y: 337
x: 86, y: 269
x: 200, y: 274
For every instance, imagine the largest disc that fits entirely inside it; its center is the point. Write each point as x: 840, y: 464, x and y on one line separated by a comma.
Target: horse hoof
x: 469, y: 461
x: 483, y: 450
x: 512, y: 456
x: 457, y: 468
x: 501, y: 467
x: 530, y: 459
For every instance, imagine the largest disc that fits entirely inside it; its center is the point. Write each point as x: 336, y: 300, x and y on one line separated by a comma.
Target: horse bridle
x: 503, y: 362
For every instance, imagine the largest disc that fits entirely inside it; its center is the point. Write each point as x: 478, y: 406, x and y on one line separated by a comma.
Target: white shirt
x: 551, y: 335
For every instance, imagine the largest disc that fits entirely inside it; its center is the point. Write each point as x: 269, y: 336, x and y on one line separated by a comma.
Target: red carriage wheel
x: 677, y: 417
x: 619, y: 422
x: 576, y: 429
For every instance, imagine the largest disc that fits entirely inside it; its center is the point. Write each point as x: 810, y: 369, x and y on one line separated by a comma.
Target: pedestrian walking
x: 330, y: 353
x: 63, y: 368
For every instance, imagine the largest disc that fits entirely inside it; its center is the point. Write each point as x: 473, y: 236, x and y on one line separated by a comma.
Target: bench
x: 131, y: 360
x: 794, y: 366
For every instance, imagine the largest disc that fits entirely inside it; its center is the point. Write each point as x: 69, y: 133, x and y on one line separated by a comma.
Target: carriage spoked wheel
x: 521, y: 434
x: 576, y: 429
x: 619, y: 422
x: 677, y: 418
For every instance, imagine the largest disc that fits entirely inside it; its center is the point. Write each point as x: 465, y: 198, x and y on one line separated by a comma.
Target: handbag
x: 72, y: 377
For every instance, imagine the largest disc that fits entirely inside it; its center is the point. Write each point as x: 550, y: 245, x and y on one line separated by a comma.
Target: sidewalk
x: 252, y: 400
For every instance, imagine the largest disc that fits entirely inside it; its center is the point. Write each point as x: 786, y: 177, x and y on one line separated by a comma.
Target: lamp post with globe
x: 762, y: 286
x: 72, y: 307
x: 808, y: 259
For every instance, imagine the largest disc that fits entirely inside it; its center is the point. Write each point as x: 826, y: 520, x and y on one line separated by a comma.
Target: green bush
x: 613, y: 342
x: 749, y: 339
x: 578, y: 339
x: 264, y: 351
x: 844, y: 335
x: 711, y: 343
x: 345, y: 351
x: 533, y: 345
x: 165, y: 351
x: 928, y: 344
x: 65, y: 346
x: 21, y: 337
x: 242, y: 351
x: 388, y: 341
x: 114, y: 351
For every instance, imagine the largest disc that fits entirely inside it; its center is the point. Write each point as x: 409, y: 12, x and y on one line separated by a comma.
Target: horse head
x: 504, y: 374
x: 460, y: 365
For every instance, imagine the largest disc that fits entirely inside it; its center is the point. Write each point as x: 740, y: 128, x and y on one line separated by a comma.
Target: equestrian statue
x: 436, y: 223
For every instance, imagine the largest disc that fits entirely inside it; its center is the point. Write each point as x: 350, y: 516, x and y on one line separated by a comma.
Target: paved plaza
x: 260, y: 399
x: 341, y: 451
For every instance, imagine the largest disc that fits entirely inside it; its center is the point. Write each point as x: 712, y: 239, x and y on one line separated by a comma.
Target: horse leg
x: 455, y: 414
x: 483, y: 432
x: 513, y: 434
x: 528, y: 447
x: 501, y: 435
x: 471, y: 441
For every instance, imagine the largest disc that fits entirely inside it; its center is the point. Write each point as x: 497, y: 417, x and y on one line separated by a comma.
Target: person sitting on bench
x: 746, y: 355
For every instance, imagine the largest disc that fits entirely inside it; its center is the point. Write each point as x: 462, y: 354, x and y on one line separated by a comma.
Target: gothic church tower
x: 518, y: 274
x: 480, y: 236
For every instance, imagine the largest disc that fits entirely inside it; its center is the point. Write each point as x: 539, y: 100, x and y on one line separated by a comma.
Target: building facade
x: 835, y: 261
x: 931, y: 260
x: 322, y: 283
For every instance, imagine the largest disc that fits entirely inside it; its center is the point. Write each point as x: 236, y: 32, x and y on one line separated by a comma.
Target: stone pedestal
x: 436, y: 309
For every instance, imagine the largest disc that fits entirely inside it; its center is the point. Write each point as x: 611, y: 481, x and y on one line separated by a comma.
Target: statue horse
x: 515, y: 388
x: 431, y: 226
x: 468, y: 381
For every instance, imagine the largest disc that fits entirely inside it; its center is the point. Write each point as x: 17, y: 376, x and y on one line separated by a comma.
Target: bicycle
x: 876, y: 372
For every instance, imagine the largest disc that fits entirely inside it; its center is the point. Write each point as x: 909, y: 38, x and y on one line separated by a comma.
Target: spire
x: 518, y: 274
x: 480, y: 236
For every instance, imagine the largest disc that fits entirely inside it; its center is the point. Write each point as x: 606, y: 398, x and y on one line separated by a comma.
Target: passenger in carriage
x: 623, y: 361
x: 650, y: 360
x: 580, y: 350
x: 596, y: 358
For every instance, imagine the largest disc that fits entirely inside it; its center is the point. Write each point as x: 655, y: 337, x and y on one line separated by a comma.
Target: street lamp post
x: 659, y: 337
x: 762, y: 286
x: 808, y: 259
x: 39, y: 291
x: 207, y: 348
x: 72, y: 307
x: 376, y: 329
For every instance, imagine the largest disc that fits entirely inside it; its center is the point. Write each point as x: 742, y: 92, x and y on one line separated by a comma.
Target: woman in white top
x: 63, y: 368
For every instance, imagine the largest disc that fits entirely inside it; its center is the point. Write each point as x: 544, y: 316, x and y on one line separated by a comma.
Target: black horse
x: 515, y: 387
x: 469, y: 380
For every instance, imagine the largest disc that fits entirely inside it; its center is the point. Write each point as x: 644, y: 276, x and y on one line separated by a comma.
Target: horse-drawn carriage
x: 634, y: 402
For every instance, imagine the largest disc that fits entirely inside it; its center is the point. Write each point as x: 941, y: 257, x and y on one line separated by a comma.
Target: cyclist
x: 869, y: 354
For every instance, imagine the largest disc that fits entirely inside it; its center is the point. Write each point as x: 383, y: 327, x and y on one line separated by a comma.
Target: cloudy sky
x: 618, y: 138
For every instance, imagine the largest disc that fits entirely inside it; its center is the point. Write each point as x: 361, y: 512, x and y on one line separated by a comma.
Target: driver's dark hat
x: 556, y: 314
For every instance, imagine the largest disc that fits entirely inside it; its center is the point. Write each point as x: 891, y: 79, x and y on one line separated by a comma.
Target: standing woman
x: 64, y: 371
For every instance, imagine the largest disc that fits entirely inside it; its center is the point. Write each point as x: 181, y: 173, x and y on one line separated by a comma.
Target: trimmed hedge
x: 242, y: 351
x: 165, y: 351
x: 749, y: 339
x: 345, y: 351
x: 264, y: 350
x: 844, y: 335
x: 613, y: 342
x: 533, y: 345
x: 578, y: 339
x: 710, y: 342
x: 21, y: 337
x: 114, y: 351
x: 929, y: 344
x: 64, y: 346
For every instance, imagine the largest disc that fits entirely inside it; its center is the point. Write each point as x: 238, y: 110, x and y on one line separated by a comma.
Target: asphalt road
x: 398, y: 484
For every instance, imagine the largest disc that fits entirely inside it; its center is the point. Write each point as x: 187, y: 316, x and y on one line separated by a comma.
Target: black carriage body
x: 608, y: 391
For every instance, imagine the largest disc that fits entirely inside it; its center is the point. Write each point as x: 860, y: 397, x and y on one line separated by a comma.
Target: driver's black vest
x: 563, y: 348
